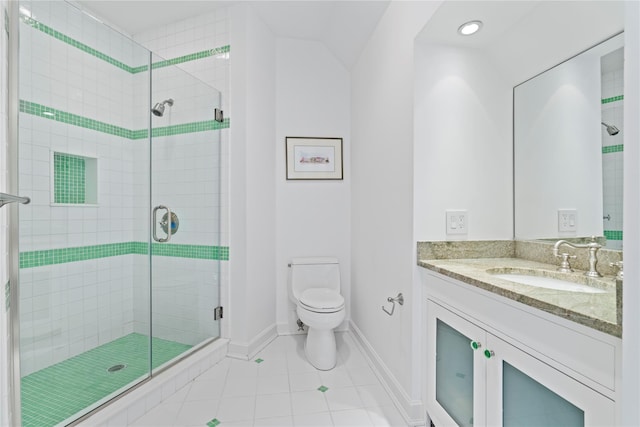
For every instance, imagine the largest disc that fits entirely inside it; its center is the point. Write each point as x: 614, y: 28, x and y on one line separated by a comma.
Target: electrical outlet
x: 457, y: 222
x: 567, y: 220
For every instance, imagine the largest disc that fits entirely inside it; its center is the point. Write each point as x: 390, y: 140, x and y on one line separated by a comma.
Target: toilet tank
x: 319, y: 272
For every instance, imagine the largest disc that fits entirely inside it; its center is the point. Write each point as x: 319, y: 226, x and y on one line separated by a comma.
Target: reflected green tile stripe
x: 104, y: 57
x: 75, y: 43
x: 55, y: 393
x: 613, y: 234
x: 612, y: 148
x: 76, y: 120
x: 612, y: 99
x: 60, y: 256
x: 73, y: 119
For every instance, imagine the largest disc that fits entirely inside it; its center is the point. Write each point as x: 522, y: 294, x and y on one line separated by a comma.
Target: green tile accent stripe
x: 192, y: 57
x: 189, y: 128
x: 53, y: 394
x: 191, y: 251
x: 82, y: 253
x: 78, y: 45
x: 259, y: 360
x: 613, y: 234
x: 213, y: 423
x: 74, y: 119
x: 612, y: 149
x: 612, y: 99
x: 323, y: 388
x: 104, y: 57
x: 68, y: 178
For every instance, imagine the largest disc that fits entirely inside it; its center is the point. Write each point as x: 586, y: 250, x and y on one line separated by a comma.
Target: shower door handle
x: 155, y: 224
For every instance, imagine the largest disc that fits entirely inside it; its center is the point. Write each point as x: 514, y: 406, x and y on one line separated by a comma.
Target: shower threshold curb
x: 133, y: 405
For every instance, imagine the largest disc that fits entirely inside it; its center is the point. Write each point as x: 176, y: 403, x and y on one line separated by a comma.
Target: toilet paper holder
x: 399, y: 299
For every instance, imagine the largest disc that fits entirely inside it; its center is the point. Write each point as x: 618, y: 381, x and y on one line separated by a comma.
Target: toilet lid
x: 320, y: 298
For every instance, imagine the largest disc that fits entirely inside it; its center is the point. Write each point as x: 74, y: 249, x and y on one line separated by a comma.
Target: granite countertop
x: 600, y: 311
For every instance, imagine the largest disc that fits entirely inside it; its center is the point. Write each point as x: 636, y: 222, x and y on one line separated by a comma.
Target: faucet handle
x: 565, y: 267
x: 620, y: 274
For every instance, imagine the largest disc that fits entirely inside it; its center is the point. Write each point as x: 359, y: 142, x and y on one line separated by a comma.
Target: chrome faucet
x: 593, y: 247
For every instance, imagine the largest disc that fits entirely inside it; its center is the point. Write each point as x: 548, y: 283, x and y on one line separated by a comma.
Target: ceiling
x: 342, y: 26
x: 524, y: 38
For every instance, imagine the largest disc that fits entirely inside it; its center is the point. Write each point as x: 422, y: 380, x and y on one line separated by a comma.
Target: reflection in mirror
x: 568, y: 134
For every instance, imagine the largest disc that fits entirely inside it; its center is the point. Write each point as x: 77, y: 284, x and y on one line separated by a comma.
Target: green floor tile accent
x: 323, y: 388
x: 613, y: 148
x: 56, y: 393
x: 213, y: 423
x: 259, y: 360
x: 612, y: 99
x: 82, y: 253
x: 613, y: 234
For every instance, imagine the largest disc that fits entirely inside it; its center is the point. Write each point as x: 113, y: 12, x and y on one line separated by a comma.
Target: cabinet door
x: 527, y: 392
x: 456, y: 376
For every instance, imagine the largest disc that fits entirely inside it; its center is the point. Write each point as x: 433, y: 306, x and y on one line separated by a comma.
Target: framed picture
x: 314, y: 158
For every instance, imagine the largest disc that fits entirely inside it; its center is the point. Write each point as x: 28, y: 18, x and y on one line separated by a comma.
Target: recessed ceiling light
x: 469, y: 28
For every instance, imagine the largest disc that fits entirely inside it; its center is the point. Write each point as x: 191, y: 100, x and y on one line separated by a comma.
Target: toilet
x: 314, y: 286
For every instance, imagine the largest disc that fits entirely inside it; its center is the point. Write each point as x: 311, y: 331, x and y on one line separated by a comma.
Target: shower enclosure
x: 119, y: 248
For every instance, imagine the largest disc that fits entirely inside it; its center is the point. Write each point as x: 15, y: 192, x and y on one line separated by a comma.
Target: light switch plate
x: 567, y: 220
x: 457, y: 222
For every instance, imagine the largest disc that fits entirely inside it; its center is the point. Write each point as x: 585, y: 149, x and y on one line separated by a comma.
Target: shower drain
x: 116, y: 368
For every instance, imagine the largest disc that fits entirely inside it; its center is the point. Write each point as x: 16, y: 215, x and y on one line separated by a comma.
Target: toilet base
x: 320, y: 348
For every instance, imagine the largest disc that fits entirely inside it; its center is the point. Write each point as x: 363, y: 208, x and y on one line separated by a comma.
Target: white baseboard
x: 411, y: 410
x: 246, y: 351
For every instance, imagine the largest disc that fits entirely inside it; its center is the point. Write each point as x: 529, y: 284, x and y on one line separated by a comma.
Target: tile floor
x: 280, y: 388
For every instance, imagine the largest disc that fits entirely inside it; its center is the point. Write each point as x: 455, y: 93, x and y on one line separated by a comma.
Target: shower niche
x: 75, y: 179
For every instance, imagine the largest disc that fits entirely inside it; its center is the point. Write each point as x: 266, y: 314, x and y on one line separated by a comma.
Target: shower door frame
x: 14, y: 380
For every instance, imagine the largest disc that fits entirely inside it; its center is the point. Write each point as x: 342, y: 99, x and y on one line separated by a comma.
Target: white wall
x: 383, y: 244
x: 630, y: 390
x: 313, y: 217
x: 463, y: 144
x: 558, y: 156
x: 252, y: 215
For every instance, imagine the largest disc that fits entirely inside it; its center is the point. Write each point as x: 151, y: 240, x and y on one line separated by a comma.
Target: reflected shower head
x: 611, y: 130
x: 158, y: 109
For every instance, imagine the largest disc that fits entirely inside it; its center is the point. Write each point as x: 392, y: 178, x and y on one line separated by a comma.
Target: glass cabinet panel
x: 526, y: 402
x: 454, y: 373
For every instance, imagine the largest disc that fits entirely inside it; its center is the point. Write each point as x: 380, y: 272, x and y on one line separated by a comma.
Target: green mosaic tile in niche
x: 69, y: 178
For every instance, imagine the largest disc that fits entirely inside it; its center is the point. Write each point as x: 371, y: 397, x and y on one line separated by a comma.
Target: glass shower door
x: 185, y: 208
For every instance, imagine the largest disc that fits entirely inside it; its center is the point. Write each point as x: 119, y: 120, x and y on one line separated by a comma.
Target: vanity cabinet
x: 538, y: 373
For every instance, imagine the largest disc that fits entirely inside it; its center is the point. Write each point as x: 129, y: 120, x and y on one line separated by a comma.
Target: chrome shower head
x: 611, y: 130
x: 158, y: 109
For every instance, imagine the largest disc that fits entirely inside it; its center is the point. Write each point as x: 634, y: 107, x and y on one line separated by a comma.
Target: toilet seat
x: 322, y: 300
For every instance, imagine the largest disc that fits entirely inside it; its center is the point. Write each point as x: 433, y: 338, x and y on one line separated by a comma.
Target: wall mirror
x: 568, y: 148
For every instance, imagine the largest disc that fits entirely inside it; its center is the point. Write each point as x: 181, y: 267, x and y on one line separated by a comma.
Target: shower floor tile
x: 280, y: 388
x: 53, y: 394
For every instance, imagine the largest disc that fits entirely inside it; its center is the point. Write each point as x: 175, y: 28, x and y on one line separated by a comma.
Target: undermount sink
x: 540, y: 281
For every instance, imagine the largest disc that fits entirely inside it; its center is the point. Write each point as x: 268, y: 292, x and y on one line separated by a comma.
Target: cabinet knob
x: 475, y: 345
x: 489, y: 354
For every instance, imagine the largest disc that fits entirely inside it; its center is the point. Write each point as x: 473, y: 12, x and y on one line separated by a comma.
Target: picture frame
x: 314, y: 158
